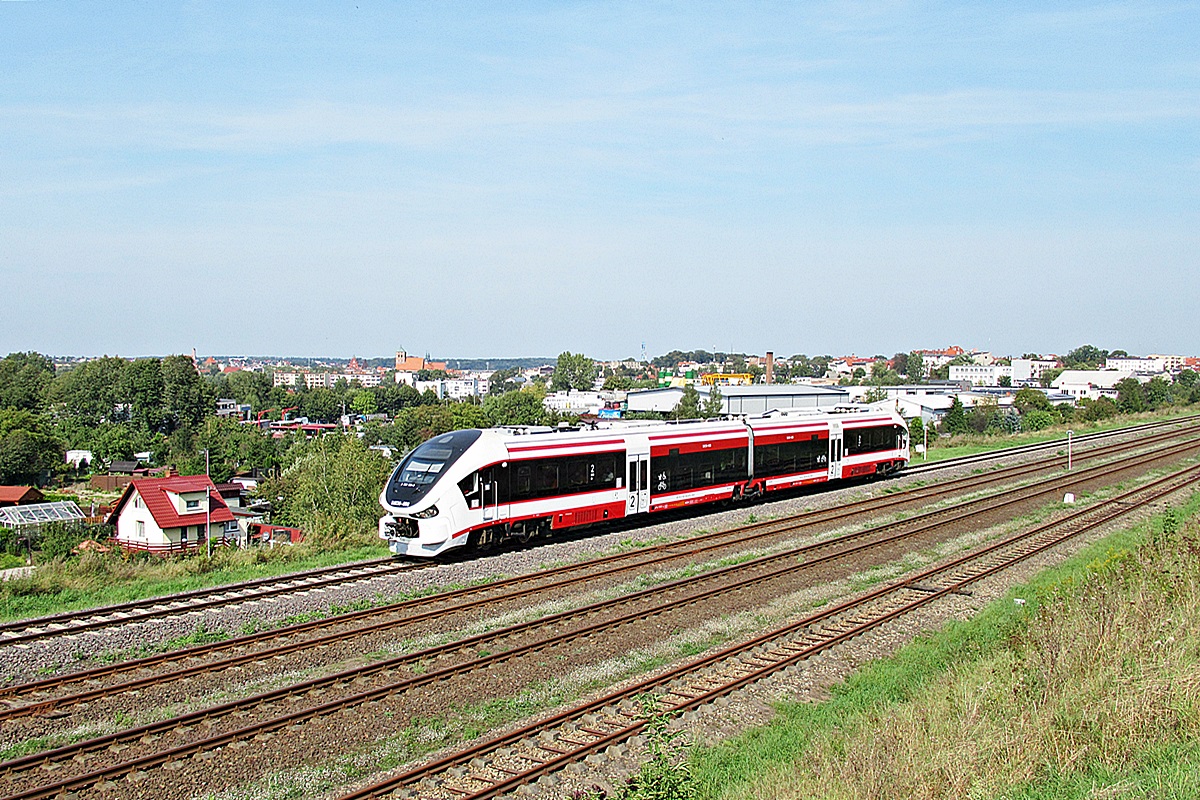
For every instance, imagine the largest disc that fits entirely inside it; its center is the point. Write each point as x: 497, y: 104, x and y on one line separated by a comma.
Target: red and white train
x: 479, y: 487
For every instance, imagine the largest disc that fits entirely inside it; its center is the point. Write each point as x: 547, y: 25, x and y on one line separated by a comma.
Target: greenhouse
x: 32, y: 517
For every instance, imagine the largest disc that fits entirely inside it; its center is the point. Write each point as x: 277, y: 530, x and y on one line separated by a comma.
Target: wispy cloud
x: 754, y: 114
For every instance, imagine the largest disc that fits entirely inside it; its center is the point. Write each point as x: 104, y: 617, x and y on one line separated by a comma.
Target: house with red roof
x: 170, y: 515
x: 19, y: 495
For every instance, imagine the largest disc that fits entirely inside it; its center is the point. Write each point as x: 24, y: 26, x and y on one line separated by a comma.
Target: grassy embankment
x: 1089, y: 689
x: 93, y: 579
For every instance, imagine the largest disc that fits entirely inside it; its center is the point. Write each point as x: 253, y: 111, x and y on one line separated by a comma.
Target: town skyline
x: 286, y: 360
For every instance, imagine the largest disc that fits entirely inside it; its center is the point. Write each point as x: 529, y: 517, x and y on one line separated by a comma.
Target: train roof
x: 514, y: 434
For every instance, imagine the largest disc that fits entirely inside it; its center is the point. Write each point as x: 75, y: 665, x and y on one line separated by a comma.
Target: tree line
x: 116, y: 407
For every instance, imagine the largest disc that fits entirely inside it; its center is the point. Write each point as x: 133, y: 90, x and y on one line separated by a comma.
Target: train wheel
x: 483, y: 540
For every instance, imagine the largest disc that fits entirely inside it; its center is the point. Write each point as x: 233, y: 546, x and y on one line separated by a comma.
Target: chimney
x: 770, y: 367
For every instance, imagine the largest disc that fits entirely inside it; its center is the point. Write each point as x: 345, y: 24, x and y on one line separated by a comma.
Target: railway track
x: 74, y: 623
x: 504, y: 763
x: 1008, y: 452
x: 649, y: 603
x: 39, y: 698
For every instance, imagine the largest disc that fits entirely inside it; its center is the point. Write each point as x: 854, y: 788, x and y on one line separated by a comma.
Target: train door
x: 638, y: 481
x: 495, y: 494
x: 835, y: 451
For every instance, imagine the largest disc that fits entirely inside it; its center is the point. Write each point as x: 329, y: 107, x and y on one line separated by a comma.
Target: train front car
x: 428, y: 512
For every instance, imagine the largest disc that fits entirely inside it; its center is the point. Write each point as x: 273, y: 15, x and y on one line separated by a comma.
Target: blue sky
x: 480, y: 179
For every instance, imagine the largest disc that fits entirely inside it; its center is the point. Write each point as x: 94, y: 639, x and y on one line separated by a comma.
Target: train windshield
x: 422, y: 467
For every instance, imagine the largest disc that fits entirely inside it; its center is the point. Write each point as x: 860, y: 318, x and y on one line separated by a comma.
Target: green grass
x: 973, y: 444
x: 95, y: 580
x: 965, y: 662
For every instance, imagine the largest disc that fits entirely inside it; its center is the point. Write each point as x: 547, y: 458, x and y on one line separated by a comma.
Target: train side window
x: 577, y: 473
x: 547, y: 478
x: 524, y: 483
x: 608, y: 469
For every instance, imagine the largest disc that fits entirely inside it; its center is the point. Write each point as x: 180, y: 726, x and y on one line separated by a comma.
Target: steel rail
x: 68, y: 623
x: 618, y: 723
x: 155, y: 730
x: 916, y: 469
x: 42, y: 706
x: 40, y: 628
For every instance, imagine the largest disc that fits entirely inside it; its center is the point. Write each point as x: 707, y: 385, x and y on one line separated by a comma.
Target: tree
x: 391, y: 397
x: 688, y: 406
x: 467, y: 415
x: 1028, y: 399
x: 25, y: 380
x: 330, y: 490
x: 618, y: 383
x: 916, y: 431
x: 90, y: 393
x: 522, y: 407
x: 882, y: 375
x: 1158, y: 393
x: 503, y: 380
x: 114, y: 443
x: 900, y: 363
x: 142, y: 389
x: 876, y: 395
x: 363, y: 402
x: 187, y: 398
x: 252, y: 388
x: 1101, y: 408
x: 1048, y: 377
x: 574, y: 371
x: 319, y: 404
x: 1187, y: 378
x: 915, y: 367
x: 955, y: 420
x: 417, y: 424
x: 232, y: 448
x: 1085, y: 357
x: 714, y: 406
x: 1131, y: 397
x: 1004, y: 380
x: 984, y: 415
x: 28, y: 452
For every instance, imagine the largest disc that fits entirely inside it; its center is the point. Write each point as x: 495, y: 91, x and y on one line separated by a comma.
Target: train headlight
x: 427, y: 513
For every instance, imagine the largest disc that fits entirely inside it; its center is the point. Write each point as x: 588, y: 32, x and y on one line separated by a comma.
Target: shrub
x: 56, y: 540
x: 1037, y: 420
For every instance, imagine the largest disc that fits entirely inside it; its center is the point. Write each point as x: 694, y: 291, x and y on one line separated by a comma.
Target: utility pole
x: 207, y: 504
